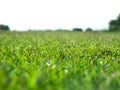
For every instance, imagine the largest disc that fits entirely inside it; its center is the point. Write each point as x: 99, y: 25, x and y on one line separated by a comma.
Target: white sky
x: 55, y: 14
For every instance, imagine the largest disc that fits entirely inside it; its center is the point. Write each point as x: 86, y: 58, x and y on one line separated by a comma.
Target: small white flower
x: 48, y: 64
x: 101, y: 62
x: 66, y: 71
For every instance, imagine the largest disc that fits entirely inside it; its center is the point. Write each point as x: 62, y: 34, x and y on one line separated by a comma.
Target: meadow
x: 38, y: 60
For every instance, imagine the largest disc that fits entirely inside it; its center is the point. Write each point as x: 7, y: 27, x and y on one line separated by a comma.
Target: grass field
x: 59, y: 60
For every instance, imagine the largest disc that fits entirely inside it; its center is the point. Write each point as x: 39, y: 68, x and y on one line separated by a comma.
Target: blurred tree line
x: 114, y: 25
x: 80, y: 29
x: 4, y: 27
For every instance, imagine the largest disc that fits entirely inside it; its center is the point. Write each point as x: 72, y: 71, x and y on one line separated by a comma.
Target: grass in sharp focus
x: 59, y: 61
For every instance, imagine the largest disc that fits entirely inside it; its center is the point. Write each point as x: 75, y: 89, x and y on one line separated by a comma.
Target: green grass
x: 59, y: 61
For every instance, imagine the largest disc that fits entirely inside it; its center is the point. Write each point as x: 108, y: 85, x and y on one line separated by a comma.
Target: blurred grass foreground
x: 59, y: 60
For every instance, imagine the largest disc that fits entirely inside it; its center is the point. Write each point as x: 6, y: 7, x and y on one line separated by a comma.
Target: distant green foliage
x: 114, y: 25
x: 4, y: 27
x: 59, y: 61
x: 62, y: 30
x: 77, y: 29
x: 89, y: 30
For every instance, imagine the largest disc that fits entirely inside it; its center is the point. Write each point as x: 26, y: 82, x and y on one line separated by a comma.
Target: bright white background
x: 55, y: 14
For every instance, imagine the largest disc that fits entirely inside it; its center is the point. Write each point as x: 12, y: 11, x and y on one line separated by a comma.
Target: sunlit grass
x: 59, y: 61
